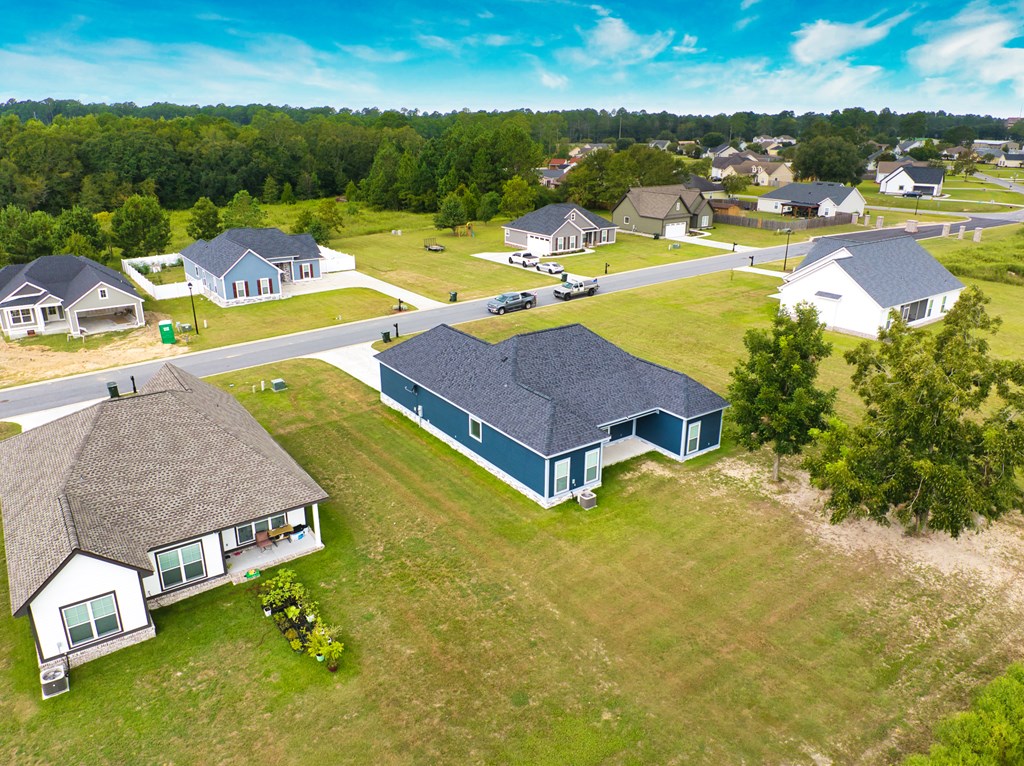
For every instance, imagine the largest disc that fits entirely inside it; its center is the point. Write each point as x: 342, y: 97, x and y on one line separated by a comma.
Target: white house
x: 819, y: 198
x: 1011, y: 160
x: 855, y: 284
x: 911, y: 178
x: 139, y: 501
x: 559, y: 228
x: 66, y: 294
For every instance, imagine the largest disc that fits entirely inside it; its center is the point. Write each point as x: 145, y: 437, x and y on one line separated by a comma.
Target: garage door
x: 675, y: 230
x: 538, y: 245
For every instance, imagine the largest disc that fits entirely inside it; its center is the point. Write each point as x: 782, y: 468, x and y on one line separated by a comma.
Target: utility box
x: 167, y: 332
x: 54, y: 681
x: 112, y: 391
x: 278, y: 384
x: 587, y: 499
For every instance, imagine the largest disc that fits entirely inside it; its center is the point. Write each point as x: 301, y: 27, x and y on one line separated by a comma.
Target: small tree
x: 966, y: 164
x: 243, y: 211
x: 736, y: 183
x: 329, y: 212
x: 516, y: 197
x: 451, y: 214
x: 141, y: 227
x: 203, y: 220
x: 271, y: 191
x: 773, y: 394
x: 943, y: 436
x: 310, y: 223
x: 489, y: 206
x: 287, y: 194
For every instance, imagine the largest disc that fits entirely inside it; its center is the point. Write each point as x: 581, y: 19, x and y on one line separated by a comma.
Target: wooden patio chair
x: 263, y: 540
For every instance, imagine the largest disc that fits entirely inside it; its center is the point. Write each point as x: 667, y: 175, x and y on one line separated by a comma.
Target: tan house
x: 762, y: 173
x: 665, y: 211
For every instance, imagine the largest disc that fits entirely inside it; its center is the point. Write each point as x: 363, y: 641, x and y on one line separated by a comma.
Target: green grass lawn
x: 631, y: 252
x: 167, y: 276
x: 986, y: 194
x: 271, y: 318
x: 690, y: 618
x: 998, y: 257
x: 8, y: 430
x: 998, y: 172
x: 874, y: 199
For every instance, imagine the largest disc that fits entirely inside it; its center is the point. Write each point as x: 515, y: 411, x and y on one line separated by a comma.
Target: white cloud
x: 688, y: 45
x: 435, y: 43
x: 547, y: 78
x: 497, y: 41
x: 746, y: 4
x: 974, y: 46
x: 743, y: 23
x: 828, y: 40
x: 375, y: 55
x: 611, y: 42
x: 600, y: 10
x: 485, y: 15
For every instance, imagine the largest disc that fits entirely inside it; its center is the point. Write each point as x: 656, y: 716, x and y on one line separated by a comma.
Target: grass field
x: 8, y: 429
x: 874, y: 199
x: 999, y: 257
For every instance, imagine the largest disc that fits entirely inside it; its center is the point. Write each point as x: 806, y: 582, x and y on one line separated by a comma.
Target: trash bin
x: 112, y: 390
x: 167, y: 332
x: 385, y: 335
x: 453, y: 296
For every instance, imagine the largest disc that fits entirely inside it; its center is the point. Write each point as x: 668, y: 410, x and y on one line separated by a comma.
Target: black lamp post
x: 917, y: 204
x: 785, y: 256
x: 193, y: 302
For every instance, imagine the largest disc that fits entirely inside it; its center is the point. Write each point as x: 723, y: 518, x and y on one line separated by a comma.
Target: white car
x: 524, y: 259
x: 551, y: 267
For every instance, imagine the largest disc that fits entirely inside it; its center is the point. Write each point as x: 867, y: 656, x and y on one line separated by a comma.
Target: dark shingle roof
x: 702, y: 184
x: 531, y: 389
x: 550, y: 218
x: 127, y: 475
x: 892, y: 271
x: 924, y: 175
x: 811, y: 193
x: 220, y: 253
x: 68, y: 277
x: 658, y: 201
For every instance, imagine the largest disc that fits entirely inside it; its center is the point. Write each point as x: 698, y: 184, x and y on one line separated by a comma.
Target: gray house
x: 66, y: 294
x: 137, y: 502
x: 559, y: 228
x: 546, y: 411
x: 248, y: 265
x: 665, y: 211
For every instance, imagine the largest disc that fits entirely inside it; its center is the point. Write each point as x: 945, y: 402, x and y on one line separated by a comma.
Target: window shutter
x: 234, y: 288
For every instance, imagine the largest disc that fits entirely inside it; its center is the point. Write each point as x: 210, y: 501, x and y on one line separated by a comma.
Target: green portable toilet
x: 167, y: 331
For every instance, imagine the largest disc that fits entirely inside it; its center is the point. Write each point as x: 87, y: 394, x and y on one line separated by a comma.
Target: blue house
x: 546, y: 411
x: 247, y: 265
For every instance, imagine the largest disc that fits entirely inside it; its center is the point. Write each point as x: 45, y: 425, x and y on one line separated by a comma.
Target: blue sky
x: 699, y: 57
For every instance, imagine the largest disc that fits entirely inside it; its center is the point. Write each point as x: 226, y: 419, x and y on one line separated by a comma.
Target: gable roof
x: 811, y: 193
x: 550, y: 218
x: 921, y: 175
x: 702, y: 184
x: 529, y: 388
x: 222, y: 252
x: 127, y: 475
x: 68, y: 277
x: 659, y: 201
x: 885, y: 167
x: 892, y: 271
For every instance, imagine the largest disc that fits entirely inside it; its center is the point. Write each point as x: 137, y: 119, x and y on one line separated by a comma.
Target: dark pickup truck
x: 511, y: 302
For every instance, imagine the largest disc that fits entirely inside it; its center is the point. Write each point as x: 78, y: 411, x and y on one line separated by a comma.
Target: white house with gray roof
x: 818, y: 198
x: 854, y: 285
x: 559, y: 228
x: 546, y: 411
x: 67, y: 294
x: 242, y: 266
x: 140, y: 501
x: 913, y: 178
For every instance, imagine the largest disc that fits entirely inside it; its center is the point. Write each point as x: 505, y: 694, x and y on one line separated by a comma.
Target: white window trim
x: 92, y: 620
x: 625, y: 219
x: 595, y: 455
x: 103, y: 293
x: 565, y: 464
x: 303, y: 267
x: 181, y: 565
x: 11, y: 313
x: 239, y: 293
x: 265, y: 286
x: 251, y: 526
x: 693, y: 437
x: 479, y: 429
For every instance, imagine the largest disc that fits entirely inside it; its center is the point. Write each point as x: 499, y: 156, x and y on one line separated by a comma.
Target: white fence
x: 335, y: 261
x: 160, y: 292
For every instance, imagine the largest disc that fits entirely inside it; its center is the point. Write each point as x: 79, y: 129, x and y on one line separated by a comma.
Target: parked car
x: 913, y: 194
x: 524, y: 259
x: 511, y: 302
x: 574, y: 286
x: 551, y: 267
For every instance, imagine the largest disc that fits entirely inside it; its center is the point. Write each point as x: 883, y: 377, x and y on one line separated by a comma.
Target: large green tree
x: 773, y: 394
x: 203, y: 220
x: 141, y: 227
x: 243, y: 212
x: 966, y: 165
x: 451, y: 214
x: 942, y: 439
x: 735, y: 183
x: 77, y: 220
x: 516, y: 197
x: 24, y: 236
x: 829, y: 158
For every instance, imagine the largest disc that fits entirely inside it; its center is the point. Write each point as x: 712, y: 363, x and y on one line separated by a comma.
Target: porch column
x: 316, y: 523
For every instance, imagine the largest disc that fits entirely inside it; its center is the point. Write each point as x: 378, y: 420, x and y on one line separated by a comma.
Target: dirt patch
x: 26, y: 364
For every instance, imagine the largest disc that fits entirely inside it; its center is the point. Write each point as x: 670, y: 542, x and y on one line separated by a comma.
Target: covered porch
x: 624, y: 449
x: 237, y: 563
x: 95, y: 321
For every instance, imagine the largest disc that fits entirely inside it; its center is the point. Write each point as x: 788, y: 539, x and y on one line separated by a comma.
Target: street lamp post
x: 193, y: 302
x: 917, y: 204
x: 785, y: 256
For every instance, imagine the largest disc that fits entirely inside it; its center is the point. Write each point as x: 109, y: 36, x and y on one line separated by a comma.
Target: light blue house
x: 247, y: 265
x: 546, y: 411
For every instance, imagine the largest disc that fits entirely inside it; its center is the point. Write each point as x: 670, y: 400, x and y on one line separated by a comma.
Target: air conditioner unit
x: 55, y: 681
x: 278, y: 384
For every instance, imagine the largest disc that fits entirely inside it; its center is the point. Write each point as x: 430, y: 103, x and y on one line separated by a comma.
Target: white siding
x: 82, y: 578
x: 213, y: 558
x: 854, y: 312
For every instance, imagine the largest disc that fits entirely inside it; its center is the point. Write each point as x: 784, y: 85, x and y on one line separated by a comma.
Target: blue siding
x: 496, y: 448
x: 710, y: 430
x: 576, y: 468
x: 662, y: 429
x: 297, y: 268
x: 621, y: 430
x: 250, y: 269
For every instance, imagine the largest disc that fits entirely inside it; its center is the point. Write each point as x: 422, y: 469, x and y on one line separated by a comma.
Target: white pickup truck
x: 574, y: 286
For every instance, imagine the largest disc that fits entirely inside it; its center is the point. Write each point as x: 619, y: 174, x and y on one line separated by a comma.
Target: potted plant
x: 332, y: 651
x: 292, y: 613
x: 318, y: 642
x: 267, y: 611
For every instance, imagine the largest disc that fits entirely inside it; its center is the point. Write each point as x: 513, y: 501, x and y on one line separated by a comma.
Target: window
x: 91, y: 620
x: 559, y: 242
x: 54, y: 312
x: 307, y: 271
x: 692, y: 437
x: 592, y: 466
x: 22, y: 316
x: 928, y: 312
x: 625, y: 219
x: 604, y: 235
x: 943, y: 308
x: 246, y: 533
x: 240, y: 289
x: 677, y: 205
x: 103, y: 293
x: 562, y: 476
x: 263, y: 286
x: 704, y: 221
x: 181, y: 565
x: 911, y: 312
x: 476, y: 429
x: 572, y: 243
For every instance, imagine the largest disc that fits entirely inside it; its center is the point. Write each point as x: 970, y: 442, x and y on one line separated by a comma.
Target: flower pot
x: 319, y: 658
x: 266, y: 611
x: 310, y: 617
x: 333, y: 667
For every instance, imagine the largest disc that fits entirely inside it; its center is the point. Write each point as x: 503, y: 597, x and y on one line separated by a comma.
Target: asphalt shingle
x: 68, y: 277
x: 550, y: 218
x: 220, y: 253
x: 811, y: 193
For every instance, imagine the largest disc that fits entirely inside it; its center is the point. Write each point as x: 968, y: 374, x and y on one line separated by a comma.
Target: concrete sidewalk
x: 341, y: 280
x: 356, y: 360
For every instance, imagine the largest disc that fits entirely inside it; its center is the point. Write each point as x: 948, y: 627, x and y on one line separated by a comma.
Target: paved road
x: 80, y: 388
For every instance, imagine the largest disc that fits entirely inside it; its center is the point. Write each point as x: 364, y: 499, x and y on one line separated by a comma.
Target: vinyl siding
x: 710, y: 430
x: 662, y: 429
x: 250, y: 269
x: 577, y: 468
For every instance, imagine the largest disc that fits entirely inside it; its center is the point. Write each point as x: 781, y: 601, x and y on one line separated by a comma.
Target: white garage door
x: 675, y: 230
x: 538, y: 245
